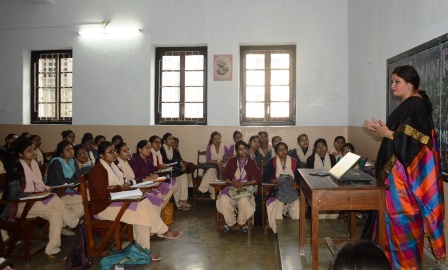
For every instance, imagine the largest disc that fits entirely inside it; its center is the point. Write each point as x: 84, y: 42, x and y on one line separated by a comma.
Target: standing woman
x: 179, y: 171
x: 216, y: 154
x: 409, y: 163
x: 25, y: 177
x: 240, y: 172
x: 106, y: 178
x: 276, y: 166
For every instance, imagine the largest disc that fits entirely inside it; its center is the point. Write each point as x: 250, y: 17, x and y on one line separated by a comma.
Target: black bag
x: 285, y: 193
x: 77, y: 259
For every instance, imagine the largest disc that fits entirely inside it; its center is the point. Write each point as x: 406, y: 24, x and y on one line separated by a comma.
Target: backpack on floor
x: 131, y: 256
x: 77, y: 259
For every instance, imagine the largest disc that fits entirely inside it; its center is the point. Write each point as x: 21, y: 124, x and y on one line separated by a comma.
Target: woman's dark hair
x: 66, y: 133
x: 349, y: 145
x: 253, y: 137
x: 141, y: 144
x: 117, y: 137
x: 238, y: 143
x: 25, y: 135
x: 9, y: 136
x: 236, y: 132
x: 166, y: 136
x: 275, y: 137
x: 300, y: 136
x: 119, y: 146
x: 98, y: 138
x: 278, y: 145
x: 78, y: 148
x: 175, y: 138
x: 262, y: 132
x: 363, y: 255
x: 32, y: 137
x: 21, y: 145
x: 320, y: 140
x: 409, y: 74
x: 214, y: 133
x: 153, y: 138
x: 87, y: 137
x: 339, y: 138
x: 60, y: 148
x: 103, y: 147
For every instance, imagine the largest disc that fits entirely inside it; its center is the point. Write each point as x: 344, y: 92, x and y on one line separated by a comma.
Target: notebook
x: 342, y: 170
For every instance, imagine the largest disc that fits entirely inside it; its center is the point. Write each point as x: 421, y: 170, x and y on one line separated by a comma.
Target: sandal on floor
x: 172, y: 236
x: 155, y: 257
x: 58, y: 256
x: 244, y: 228
x: 227, y: 228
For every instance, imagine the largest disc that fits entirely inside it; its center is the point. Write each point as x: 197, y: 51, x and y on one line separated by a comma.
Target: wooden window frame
x: 160, y: 52
x: 35, y: 119
x: 268, y: 121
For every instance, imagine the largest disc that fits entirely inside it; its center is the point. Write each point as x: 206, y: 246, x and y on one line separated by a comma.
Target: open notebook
x: 342, y: 170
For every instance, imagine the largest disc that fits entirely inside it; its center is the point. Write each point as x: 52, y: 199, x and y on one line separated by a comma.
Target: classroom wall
x: 114, y: 78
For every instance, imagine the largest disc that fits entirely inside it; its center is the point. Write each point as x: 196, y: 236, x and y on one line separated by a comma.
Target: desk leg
x: 302, y: 222
x: 315, y: 233
x: 352, y: 225
x: 381, y: 236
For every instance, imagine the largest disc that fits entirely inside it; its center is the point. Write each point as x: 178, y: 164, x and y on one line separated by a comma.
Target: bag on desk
x: 285, y: 193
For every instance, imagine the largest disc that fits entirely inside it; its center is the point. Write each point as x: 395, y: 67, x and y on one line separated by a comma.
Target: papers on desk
x: 36, y: 195
x: 172, y: 164
x: 166, y: 170
x: 67, y: 185
x: 129, y: 194
x: 145, y: 184
x: 218, y: 182
x: 159, y: 179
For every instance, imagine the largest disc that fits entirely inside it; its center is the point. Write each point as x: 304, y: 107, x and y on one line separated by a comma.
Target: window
x: 268, y: 85
x: 51, y: 74
x: 181, y: 85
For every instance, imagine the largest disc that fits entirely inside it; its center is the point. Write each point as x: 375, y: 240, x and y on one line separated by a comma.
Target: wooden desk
x: 324, y: 193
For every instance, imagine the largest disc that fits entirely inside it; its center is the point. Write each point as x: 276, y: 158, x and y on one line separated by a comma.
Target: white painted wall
x: 114, y: 79
x: 379, y: 30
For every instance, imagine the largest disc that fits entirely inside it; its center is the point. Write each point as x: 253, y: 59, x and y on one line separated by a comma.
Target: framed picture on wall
x: 222, y: 67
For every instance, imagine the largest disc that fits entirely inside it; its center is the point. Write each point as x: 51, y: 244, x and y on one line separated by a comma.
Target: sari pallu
x: 410, y: 165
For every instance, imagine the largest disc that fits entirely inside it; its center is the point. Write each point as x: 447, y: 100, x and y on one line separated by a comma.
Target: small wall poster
x: 222, y: 67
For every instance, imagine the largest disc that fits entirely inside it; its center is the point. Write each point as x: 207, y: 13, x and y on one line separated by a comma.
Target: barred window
x: 181, y: 85
x: 52, y: 77
x: 268, y: 85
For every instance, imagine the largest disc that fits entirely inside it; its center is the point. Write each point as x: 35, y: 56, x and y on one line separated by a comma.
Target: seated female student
x: 143, y: 168
x: 116, y: 139
x: 190, y: 167
x: 321, y: 159
x: 7, y: 155
x: 98, y: 139
x: 25, y: 177
x: 237, y: 136
x: 68, y: 135
x: 254, y: 154
x: 338, y: 143
x: 346, y: 148
x: 87, y: 141
x: 64, y: 170
x: 271, y: 153
x: 181, y: 192
x: 124, y: 154
x: 303, y: 152
x: 240, y: 172
x: 143, y: 215
x: 276, y: 166
x: 37, y: 142
x: 82, y: 159
x: 216, y: 154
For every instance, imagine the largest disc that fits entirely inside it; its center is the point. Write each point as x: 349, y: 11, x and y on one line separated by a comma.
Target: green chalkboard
x: 431, y: 62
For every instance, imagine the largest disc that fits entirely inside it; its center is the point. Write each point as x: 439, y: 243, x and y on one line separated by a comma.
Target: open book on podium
x: 128, y: 194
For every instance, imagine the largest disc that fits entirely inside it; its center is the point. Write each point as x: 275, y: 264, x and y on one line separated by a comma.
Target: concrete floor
x: 200, y: 247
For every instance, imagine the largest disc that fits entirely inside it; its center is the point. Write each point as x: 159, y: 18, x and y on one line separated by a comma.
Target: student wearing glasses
x: 241, y: 172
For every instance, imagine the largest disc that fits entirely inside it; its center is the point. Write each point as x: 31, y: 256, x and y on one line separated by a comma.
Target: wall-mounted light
x: 105, y: 28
